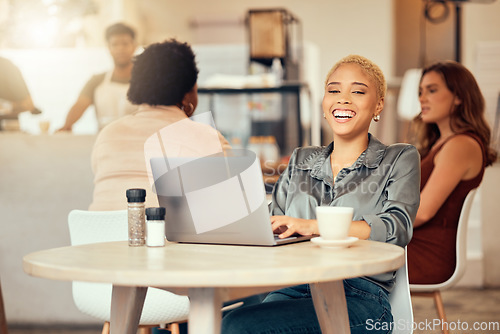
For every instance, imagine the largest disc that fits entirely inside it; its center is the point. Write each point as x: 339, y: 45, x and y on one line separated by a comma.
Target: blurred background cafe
x: 262, y: 68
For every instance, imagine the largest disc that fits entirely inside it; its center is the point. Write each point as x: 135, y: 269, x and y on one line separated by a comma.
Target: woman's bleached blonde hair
x: 373, y: 71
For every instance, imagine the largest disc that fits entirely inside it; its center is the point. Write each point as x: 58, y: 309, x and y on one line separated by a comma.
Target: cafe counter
x: 42, y: 178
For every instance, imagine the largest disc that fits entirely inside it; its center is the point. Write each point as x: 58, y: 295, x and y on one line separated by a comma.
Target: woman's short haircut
x: 119, y: 29
x: 370, y: 68
x: 163, y: 74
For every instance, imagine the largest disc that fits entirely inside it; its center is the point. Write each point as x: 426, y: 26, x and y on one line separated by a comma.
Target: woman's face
x: 122, y: 48
x: 436, y: 100
x: 350, y: 101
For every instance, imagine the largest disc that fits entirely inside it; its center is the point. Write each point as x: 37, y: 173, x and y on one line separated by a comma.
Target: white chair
x: 400, y: 299
x: 161, y: 308
x: 408, y: 105
x: 434, y: 290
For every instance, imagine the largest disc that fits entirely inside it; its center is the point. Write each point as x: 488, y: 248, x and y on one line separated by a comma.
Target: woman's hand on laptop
x: 286, y: 226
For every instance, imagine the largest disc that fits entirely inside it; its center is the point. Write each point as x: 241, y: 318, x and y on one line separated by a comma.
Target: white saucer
x: 334, y: 243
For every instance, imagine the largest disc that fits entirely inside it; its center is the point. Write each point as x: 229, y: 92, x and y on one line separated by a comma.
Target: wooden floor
x: 465, y: 308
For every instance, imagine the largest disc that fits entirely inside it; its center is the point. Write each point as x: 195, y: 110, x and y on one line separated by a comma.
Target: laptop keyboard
x: 277, y: 238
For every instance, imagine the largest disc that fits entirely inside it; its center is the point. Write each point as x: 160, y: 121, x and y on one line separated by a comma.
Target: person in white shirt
x: 108, y: 91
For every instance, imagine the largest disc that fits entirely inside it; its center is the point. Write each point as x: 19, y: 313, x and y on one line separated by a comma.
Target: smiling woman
x: 381, y: 184
x: 354, y: 96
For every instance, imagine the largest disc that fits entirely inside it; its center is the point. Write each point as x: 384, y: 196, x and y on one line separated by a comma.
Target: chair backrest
x: 86, y: 227
x: 461, y: 248
x: 408, y: 105
x: 94, y: 299
x: 400, y: 299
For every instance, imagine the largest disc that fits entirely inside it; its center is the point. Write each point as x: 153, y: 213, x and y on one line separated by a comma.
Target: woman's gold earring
x: 191, y: 109
x: 324, y: 116
x: 376, y: 118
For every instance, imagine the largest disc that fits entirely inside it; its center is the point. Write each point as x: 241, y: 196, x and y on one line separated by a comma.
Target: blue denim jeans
x: 183, y: 327
x: 291, y: 311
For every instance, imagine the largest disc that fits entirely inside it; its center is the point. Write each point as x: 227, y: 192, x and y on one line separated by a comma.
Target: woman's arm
x: 401, y: 196
x: 391, y: 224
x: 280, y: 191
x: 287, y: 226
x: 459, y: 159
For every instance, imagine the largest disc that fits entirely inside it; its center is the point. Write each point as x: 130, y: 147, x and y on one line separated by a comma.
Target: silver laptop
x: 215, y: 199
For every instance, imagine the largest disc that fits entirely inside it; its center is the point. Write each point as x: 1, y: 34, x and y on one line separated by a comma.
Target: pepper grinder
x: 136, y: 217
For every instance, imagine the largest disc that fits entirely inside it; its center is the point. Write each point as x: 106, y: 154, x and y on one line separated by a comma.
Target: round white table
x: 212, y: 274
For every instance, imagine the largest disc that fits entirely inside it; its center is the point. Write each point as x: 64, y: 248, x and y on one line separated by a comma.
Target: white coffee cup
x: 334, y: 221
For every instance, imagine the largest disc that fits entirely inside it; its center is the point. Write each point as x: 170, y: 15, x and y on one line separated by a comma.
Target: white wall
x: 42, y: 179
x: 338, y: 27
x: 481, y: 52
x: 480, y: 23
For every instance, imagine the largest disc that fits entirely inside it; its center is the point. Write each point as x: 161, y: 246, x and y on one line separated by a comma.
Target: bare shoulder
x: 463, y: 145
x: 462, y: 152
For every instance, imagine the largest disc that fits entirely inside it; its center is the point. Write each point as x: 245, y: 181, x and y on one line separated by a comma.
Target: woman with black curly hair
x: 165, y: 74
x: 163, y: 84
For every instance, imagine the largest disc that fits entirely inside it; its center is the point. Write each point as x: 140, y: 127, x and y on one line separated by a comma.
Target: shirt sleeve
x: 278, y: 205
x: 402, y: 191
x: 13, y: 87
x: 91, y: 85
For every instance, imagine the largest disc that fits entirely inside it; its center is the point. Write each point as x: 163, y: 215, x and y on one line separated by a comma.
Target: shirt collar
x: 164, y: 112
x: 319, y: 165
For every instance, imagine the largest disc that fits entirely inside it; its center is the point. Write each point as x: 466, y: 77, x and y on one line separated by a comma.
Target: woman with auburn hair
x: 453, y: 138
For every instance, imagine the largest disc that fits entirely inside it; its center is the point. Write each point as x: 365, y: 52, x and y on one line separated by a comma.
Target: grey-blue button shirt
x: 383, y: 187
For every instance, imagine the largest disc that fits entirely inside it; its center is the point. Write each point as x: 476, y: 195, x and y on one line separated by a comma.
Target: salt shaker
x: 136, y: 217
x: 155, y: 227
